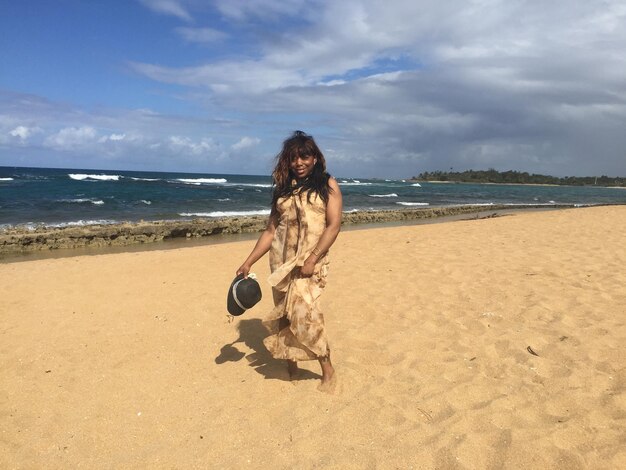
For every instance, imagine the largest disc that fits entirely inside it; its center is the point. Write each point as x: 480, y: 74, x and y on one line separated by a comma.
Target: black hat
x: 243, y: 294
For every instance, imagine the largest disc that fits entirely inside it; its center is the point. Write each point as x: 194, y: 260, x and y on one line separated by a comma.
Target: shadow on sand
x: 251, y: 333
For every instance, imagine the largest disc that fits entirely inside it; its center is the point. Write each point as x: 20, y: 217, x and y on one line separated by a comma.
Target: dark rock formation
x: 21, y: 239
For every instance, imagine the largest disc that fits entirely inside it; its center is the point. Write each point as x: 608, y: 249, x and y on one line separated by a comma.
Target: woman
x: 304, y: 222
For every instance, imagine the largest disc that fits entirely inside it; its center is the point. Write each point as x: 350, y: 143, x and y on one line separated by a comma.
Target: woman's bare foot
x: 292, y: 368
x: 329, y: 378
x: 328, y: 385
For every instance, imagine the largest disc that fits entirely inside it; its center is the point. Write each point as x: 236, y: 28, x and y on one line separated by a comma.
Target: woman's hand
x: 244, y: 269
x: 308, y: 268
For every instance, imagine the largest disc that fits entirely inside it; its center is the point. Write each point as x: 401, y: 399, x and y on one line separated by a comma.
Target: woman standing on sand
x: 304, y: 222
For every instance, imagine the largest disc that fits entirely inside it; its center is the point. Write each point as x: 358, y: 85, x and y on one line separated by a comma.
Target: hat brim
x: 231, y: 305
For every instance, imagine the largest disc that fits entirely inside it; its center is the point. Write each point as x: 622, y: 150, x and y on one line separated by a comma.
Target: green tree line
x: 517, y: 177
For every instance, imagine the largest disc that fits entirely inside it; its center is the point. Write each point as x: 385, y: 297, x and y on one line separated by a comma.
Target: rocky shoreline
x: 22, y: 239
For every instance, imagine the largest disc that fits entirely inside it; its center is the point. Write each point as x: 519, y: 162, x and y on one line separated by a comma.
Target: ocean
x: 71, y: 197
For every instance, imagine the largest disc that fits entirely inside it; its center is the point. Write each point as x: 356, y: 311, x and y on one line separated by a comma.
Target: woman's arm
x: 333, y: 225
x: 262, y: 246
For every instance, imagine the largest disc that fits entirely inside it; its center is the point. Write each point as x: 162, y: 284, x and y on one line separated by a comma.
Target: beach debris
x: 426, y: 415
x: 530, y: 350
x: 48, y: 371
x: 563, y: 338
x: 488, y: 216
x: 473, y: 358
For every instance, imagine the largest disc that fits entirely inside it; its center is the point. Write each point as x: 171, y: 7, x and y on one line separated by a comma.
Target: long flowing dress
x: 301, y: 222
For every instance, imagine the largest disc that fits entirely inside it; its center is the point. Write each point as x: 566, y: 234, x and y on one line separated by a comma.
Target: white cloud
x: 71, y: 138
x: 168, y: 7
x: 245, y: 143
x: 23, y: 133
x: 356, y: 35
x: 227, y: 77
x: 393, y: 87
x: 264, y: 9
x: 112, y: 137
x: 119, y: 139
x: 20, y: 131
x: 203, y: 146
x: 123, y: 144
x: 201, y: 35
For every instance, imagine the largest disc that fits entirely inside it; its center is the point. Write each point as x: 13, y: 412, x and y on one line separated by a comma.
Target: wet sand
x: 488, y: 343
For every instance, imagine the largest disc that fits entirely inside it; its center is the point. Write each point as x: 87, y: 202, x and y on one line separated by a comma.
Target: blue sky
x: 388, y: 89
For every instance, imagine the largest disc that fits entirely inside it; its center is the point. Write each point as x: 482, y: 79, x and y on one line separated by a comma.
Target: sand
x: 130, y: 361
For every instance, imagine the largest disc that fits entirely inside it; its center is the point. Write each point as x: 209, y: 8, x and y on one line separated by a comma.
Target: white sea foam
x: 6, y: 179
x: 354, y: 183
x: 249, y: 185
x: 224, y: 213
x: 97, y: 202
x: 551, y: 203
x: 144, y: 179
x: 224, y: 200
x: 30, y: 226
x: 198, y: 181
x: 521, y: 204
x: 383, y: 195
x: 362, y: 209
x: 511, y: 204
x: 82, y: 177
x: 146, y: 202
x: 402, y: 203
x: 253, y: 185
x: 417, y: 185
x: 81, y: 223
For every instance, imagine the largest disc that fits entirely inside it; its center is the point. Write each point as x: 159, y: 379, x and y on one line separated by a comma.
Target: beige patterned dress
x: 302, y: 221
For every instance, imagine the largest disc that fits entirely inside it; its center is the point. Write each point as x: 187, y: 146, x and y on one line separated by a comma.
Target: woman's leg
x: 329, y: 378
x: 292, y: 366
x: 328, y: 370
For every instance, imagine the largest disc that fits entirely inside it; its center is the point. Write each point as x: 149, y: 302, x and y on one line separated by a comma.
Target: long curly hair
x: 299, y: 144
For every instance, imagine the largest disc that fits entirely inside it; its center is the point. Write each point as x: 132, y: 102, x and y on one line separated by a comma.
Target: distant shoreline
x: 521, y: 184
x: 498, y: 184
x: 492, y: 176
x: 18, y: 240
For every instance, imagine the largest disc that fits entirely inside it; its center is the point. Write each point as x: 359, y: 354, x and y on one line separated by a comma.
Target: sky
x: 388, y: 89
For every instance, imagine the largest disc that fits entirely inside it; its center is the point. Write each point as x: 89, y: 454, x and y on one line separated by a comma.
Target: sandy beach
x: 477, y: 344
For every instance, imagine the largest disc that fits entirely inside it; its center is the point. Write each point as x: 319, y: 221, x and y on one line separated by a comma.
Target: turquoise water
x: 61, y: 197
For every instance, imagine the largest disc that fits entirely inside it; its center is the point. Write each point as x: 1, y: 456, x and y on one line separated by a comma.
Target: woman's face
x: 302, y: 165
